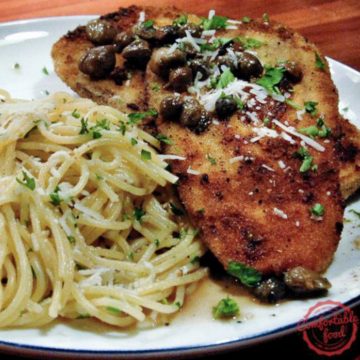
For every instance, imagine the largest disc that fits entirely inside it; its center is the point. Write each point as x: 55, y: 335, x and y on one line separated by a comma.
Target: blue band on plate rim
x: 10, y: 347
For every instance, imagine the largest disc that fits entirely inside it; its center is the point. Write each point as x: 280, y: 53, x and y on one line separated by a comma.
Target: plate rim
x: 177, y: 351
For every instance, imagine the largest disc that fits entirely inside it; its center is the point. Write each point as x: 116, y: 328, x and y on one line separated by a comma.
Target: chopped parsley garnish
x: 293, y: 104
x: 135, y: 118
x: 133, y: 141
x: 195, y: 260
x: 215, y: 23
x: 249, y: 43
x: 248, y: 276
x: 100, y: 125
x: 113, y: 310
x: 201, y: 211
x: 164, y: 139
x: 45, y: 70
x: 28, y: 181
x: 246, y: 19
x: 75, y: 114
x: 157, y: 242
x: 155, y: 87
x: 266, y: 121
x: 215, y: 44
x: 272, y: 77
x: 211, y: 159
x: 320, y: 130
x: 239, y: 103
x: 310, y: 130
x: 84, y: 126
x: 181, y: 20
x: 16, y: 66
x: 138, y: 214
x: 266, y: 18
x: 319, y: 62
x: 310, y: 107
x: 225, y: 79
x: 145, y: 155
x: 307, y: 163
x: 226, y: 308
x: 177, y: 304
x: 71, y: 239
x: 318, y: 210
x: 55, y: 197
x: 122, y: 128
x: 176, y: 210
x: 148, y: 24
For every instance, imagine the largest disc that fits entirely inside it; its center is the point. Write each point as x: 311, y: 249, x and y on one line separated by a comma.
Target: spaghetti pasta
x: 85, y: 218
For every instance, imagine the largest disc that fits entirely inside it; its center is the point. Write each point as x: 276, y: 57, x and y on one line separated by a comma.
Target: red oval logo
x: 330, y: 334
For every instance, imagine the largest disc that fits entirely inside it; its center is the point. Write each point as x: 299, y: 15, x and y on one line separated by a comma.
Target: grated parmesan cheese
x: 192, y: 171
x: 291, y: 130
x: 280, y: 213
x: 171, y: 157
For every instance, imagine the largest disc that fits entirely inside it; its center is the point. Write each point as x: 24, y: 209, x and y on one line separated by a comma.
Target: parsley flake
x: 113, y: 310
x: 310, y: 107
x: 272, y: 77
x: 135, y: 118
x: 28, y: 181
x: 248, y: 276
x: 138, y: 214
x: 181, y: 20
x: 226, y: 308
x: 225, y: 79
x: 245, y: 19
x: 318, y: 210
x: 319, y: 62
x: 145, y: 155
x: 45, y: 70
x: 84, y: 126
x: 133, y: 141
x: 148, y: 24
x: 164, y: 139
x: 215, y: 23
x: 211, y: 159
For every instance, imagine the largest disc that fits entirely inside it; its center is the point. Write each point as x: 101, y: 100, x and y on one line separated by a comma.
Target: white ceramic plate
x: 28, y: 43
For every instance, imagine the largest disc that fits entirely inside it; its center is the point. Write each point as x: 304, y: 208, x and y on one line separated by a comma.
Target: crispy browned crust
x: 239, y: 221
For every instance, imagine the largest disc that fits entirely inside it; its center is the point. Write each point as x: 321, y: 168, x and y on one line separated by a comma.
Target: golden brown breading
x: 248, y: 212
x: 253, y: 211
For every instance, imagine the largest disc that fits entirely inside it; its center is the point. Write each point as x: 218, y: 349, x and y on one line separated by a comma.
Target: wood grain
x: 333, y: 25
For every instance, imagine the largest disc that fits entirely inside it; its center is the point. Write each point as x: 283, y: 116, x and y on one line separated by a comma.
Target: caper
x: 270, y: 290
x: 137, y: 53
x: 248, y: 66
x: 171, y: 108
x: 192, y: 112
x: 193, y: 29
x: 166, y: 34
x: 180, y: 78
x: 225, y: 106
x: 200, y: 66
x: 162, y: 60
x: 293, y: 72
x: 302, y: 280
x: 226, y: 60
x: 100, y: 32
x: 98, y: 62
x: 145, y: 32
x: 123, y: 39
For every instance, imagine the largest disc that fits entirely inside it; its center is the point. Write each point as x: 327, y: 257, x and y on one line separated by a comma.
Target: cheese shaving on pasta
x: 86, y: 221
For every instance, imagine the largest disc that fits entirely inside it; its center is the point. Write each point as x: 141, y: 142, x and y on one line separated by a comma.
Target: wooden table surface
x: 333, y: 25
